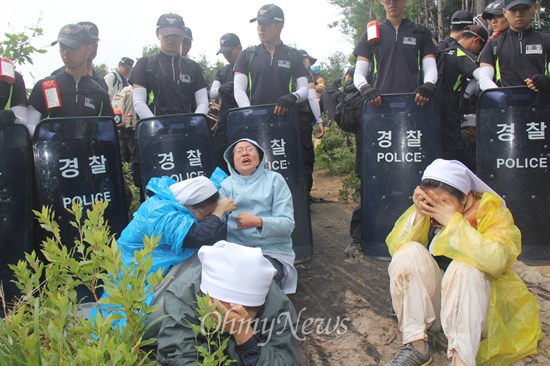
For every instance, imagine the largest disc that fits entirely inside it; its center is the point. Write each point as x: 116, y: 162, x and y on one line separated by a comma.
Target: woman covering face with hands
x: 475, y: 232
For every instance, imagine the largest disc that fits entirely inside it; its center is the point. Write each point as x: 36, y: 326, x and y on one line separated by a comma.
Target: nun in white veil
x: 475, y: 232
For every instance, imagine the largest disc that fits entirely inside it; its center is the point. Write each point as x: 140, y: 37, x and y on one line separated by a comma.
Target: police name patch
x: 88, y: 102
x: 533, y: 49
x: 409, y: 40
x: 284, y: 63
x: 184, y: 78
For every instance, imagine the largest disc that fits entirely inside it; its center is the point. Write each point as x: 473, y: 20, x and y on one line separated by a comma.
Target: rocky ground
x: 344, y: 303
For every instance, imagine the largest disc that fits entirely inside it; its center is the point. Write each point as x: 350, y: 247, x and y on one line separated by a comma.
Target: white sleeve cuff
x: 214, y: 93
x: 360, y: 76
x: 484, y: 76
x: 140, y: 103
x: 239, y: 90
x: 429, y: 67
x: 201, y: 98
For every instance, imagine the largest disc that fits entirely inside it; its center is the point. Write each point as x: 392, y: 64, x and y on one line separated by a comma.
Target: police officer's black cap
x: 227, y: 42
x: 171, y: 24
x: 269, y: 13
x: 494, y: 8
x: 73, y: 36
x: 92, y: 28
x: 509, y: 4
x: 187, y: 33
x: 462, y: 17
x: 350, y: 71
x: 127, y: 62
x: 336, y: 81
x: 477, y: 31
x: 312, y: 60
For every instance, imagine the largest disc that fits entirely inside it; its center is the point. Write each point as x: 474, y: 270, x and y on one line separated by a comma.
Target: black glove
x: 226, y: 89
x: 541, y: 82
x: 427, y: 90
x: 287, y: 101
x: 7, y: 117
x: 370, y: 93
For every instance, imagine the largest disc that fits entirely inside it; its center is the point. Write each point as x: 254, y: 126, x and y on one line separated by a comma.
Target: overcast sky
x: 125, y: 27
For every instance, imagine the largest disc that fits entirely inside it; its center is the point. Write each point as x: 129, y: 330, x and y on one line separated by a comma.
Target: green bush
x: 44, y: 327
x: 336, y: 152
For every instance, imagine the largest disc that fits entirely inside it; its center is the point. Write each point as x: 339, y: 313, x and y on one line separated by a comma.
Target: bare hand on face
x: 236, y: 321
x: 416, y: 200
x: 440, y: 208
x: 246, y: 220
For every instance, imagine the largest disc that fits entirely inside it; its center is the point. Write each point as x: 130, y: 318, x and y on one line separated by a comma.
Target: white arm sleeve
x: 20, y: 114
x: 471, y: 89
x: 360, y: 75
x: 314, y: 104
x: 214, y: 94
x: 302, y: 88
x: 430, y: 70
x: 33, y: 117
x: 201, y: 98
x: 140, y: 103
x: 484, y: 76
x: 239, y: 91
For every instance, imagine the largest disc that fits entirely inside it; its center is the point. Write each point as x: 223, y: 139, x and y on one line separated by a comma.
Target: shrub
x: 336, y: 152
x: 44, y: 326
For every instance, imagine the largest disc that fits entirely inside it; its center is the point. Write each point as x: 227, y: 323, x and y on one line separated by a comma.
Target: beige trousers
x: 422, y: 298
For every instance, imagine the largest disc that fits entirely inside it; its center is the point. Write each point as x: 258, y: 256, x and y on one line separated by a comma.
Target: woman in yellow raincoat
x: 487, y: 313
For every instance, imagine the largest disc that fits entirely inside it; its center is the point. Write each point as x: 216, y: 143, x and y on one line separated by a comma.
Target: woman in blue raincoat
x: 264, y: 216
x: 185, y: 215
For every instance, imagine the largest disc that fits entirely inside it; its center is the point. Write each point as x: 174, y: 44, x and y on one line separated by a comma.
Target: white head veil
x: 457, y: 175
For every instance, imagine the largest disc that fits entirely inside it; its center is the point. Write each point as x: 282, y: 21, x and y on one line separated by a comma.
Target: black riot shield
x: 400, y: 139
x: 512, y: 158
x: 78, y: 159
x: 279, y: 136
x: 179, y: 146
x: 16, y: 216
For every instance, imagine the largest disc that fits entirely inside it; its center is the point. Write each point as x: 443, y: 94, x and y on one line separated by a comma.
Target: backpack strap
x: 150, y: 76
x: 293, y: 55
x: 249, y: 53
x: 421, y: 30
x: 546, y: 45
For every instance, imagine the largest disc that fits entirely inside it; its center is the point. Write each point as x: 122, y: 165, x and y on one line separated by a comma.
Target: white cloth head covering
x: 194, y: 190
x: 457, y: 175
x: 235, y: 273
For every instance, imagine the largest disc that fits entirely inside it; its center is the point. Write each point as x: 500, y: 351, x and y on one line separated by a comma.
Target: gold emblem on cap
x: 88, y: 26
x: 262, y: 11
x: 67, y: 30
x: 171, y: 20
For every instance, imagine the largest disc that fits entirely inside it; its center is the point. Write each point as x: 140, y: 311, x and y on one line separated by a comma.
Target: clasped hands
x: 439, y: 207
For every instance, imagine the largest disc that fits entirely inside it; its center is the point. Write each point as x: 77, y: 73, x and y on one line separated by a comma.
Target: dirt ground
x: 346, y: 300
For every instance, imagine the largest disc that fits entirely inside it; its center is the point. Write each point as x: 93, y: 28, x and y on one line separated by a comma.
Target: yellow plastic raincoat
x: 513, y: 324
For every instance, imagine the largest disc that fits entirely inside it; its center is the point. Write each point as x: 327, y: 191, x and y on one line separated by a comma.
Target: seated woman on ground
x: 264, y: 216
x: 186, y: 215
x: 487, y: 313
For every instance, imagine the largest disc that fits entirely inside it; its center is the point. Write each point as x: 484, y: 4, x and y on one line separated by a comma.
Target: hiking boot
x: 352, y: 248
x: 410, y: 356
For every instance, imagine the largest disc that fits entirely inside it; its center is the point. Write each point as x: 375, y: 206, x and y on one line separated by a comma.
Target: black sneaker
x: 352, y: 248
x: 410, y: 356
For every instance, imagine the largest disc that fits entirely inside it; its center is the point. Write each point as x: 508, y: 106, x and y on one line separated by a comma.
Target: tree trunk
x: 440, y: 20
